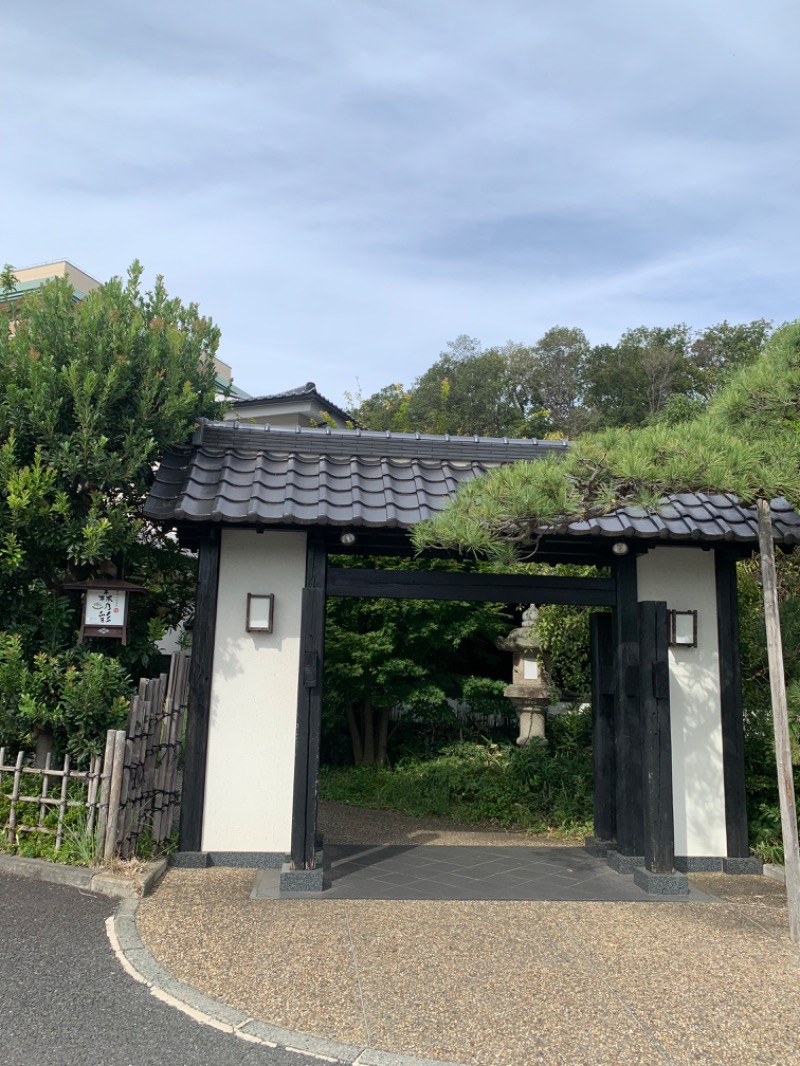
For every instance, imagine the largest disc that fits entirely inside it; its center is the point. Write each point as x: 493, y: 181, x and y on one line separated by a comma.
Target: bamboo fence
x: 43, y: 799
x: 130, y: 791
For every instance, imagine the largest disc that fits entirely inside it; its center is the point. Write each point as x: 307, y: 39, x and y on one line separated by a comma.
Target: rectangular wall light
x: 260, y: 608
x: 682, y: 629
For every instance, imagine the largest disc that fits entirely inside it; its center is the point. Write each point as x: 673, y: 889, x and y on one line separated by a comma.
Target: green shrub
x: 76, y: 696
x: 540, y: 788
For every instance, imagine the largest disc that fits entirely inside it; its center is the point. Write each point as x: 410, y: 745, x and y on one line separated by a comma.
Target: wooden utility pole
x: 780, y: 718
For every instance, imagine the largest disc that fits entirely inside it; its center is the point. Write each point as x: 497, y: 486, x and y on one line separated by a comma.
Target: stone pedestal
x: 599, y: 848
x: 673, y: 884
x: 531, y: 714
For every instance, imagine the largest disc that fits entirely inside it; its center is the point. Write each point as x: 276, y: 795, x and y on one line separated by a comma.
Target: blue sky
x: 346, y: 185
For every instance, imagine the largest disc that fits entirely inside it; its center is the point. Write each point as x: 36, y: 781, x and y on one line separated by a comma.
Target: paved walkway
x: 474, y: 872
x: 511, y: 983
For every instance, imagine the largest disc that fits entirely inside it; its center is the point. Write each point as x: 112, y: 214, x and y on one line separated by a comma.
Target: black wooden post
x: 659, y: 825
x: 732, y: 714
x: 309, y: 708
x: 198, y: 709
x: 627, y: 719
x: 603, y: 753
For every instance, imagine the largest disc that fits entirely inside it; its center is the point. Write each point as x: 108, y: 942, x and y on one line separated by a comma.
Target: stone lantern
x: 529, y: 690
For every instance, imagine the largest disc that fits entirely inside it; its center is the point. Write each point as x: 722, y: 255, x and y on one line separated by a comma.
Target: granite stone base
x: 251, y: 860
x: 698, y: 864
x: 256, y: 860
x: 748, y: 865
x: 598, y: 848
x: 189, y: 860
x: 623, y: 864
x: 673, y: 884
x: 300, y: 882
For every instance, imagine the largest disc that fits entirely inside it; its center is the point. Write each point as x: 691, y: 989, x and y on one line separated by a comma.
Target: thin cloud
x: 346, y: 186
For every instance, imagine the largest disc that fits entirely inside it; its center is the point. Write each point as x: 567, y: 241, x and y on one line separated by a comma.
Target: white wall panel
x: 250, y: 769
x: 684, y: 577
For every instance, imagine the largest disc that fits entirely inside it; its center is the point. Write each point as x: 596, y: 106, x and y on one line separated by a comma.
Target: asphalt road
x: 66, y: 1001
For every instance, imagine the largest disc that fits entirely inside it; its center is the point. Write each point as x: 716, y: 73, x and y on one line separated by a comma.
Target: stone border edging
x: 105, y: 882
x: 137, y: 961
x: 775, y: 871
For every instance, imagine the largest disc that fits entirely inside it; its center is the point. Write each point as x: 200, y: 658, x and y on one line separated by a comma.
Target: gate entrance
x: 629, y: 751
x: 265, y: 505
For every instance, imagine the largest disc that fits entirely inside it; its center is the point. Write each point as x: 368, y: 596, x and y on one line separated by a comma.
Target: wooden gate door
x: 603, y: 740
x: 659, y: 827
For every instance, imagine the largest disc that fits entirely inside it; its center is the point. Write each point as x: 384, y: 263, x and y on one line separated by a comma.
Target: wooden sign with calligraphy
x: 105, y: 608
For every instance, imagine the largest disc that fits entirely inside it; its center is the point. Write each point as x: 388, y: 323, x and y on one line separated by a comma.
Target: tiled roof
x: 267, y: 475
x: 302, y: 392
x: 694, y: 516
x: 271, y: 475
x: 309, y: 389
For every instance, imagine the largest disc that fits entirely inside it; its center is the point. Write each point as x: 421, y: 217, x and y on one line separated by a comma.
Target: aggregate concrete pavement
x: 375, y: 982
x: 494, y: 983
x: 66, y: 1001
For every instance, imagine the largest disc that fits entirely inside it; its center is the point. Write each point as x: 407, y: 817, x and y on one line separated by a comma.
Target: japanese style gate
x: 265, y: 507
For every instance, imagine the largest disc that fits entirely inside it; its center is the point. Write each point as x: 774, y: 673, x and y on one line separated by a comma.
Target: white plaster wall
x: 684, y: 577
x: 250, y: 768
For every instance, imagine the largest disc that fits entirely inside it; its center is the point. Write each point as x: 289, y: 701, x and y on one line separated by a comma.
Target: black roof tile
x: 267, y: 475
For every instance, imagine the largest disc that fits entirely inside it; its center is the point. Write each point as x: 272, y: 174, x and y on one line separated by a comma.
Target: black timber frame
x: 618, y: 734
x: 198, y: 711
x: 309, y: 708
x: 488, y: 588
x: 658, y: 818
x: 627, y: 718
x: 732, y: 712
x: 322, y: 581
x: 603, y: 750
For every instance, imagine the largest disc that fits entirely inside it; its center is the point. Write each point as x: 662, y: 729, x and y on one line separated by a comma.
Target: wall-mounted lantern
x: 682, y: 629
x: 105, y: 607
x: 260, y: 609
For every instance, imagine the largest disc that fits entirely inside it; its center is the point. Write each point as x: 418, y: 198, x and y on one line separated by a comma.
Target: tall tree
x: 385, y: 409
x: 465, y: 392
x: 720, y: 350
x: 630, y: 382
x: 91, y: 393
x: 562, y: 353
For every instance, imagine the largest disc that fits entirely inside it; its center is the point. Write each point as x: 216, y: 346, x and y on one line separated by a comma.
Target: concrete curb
x: 137, y: 961
x: 139, y: 964
x: 775, y: 872
x: 105, y: 882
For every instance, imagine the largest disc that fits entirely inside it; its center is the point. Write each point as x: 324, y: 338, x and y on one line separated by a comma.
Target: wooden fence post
x: 92, y: 792
x: 114, y: 794
x: 780, y: 718
x: 105, y: 789
x: 12, y: 814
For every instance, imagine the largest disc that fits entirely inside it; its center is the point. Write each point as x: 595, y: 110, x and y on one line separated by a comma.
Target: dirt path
x: 342, y: 824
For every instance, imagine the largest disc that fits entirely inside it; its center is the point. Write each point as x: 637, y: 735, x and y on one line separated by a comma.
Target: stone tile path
x: 453, y: 872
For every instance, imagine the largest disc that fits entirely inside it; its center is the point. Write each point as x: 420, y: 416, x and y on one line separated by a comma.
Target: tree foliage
x: 91, y: 393
x: 560, y: 385
x: 381, y: 653
x: 747, y: 444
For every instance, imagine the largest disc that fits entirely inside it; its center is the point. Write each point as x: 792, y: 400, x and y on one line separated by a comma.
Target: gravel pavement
x: 578, y: 984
